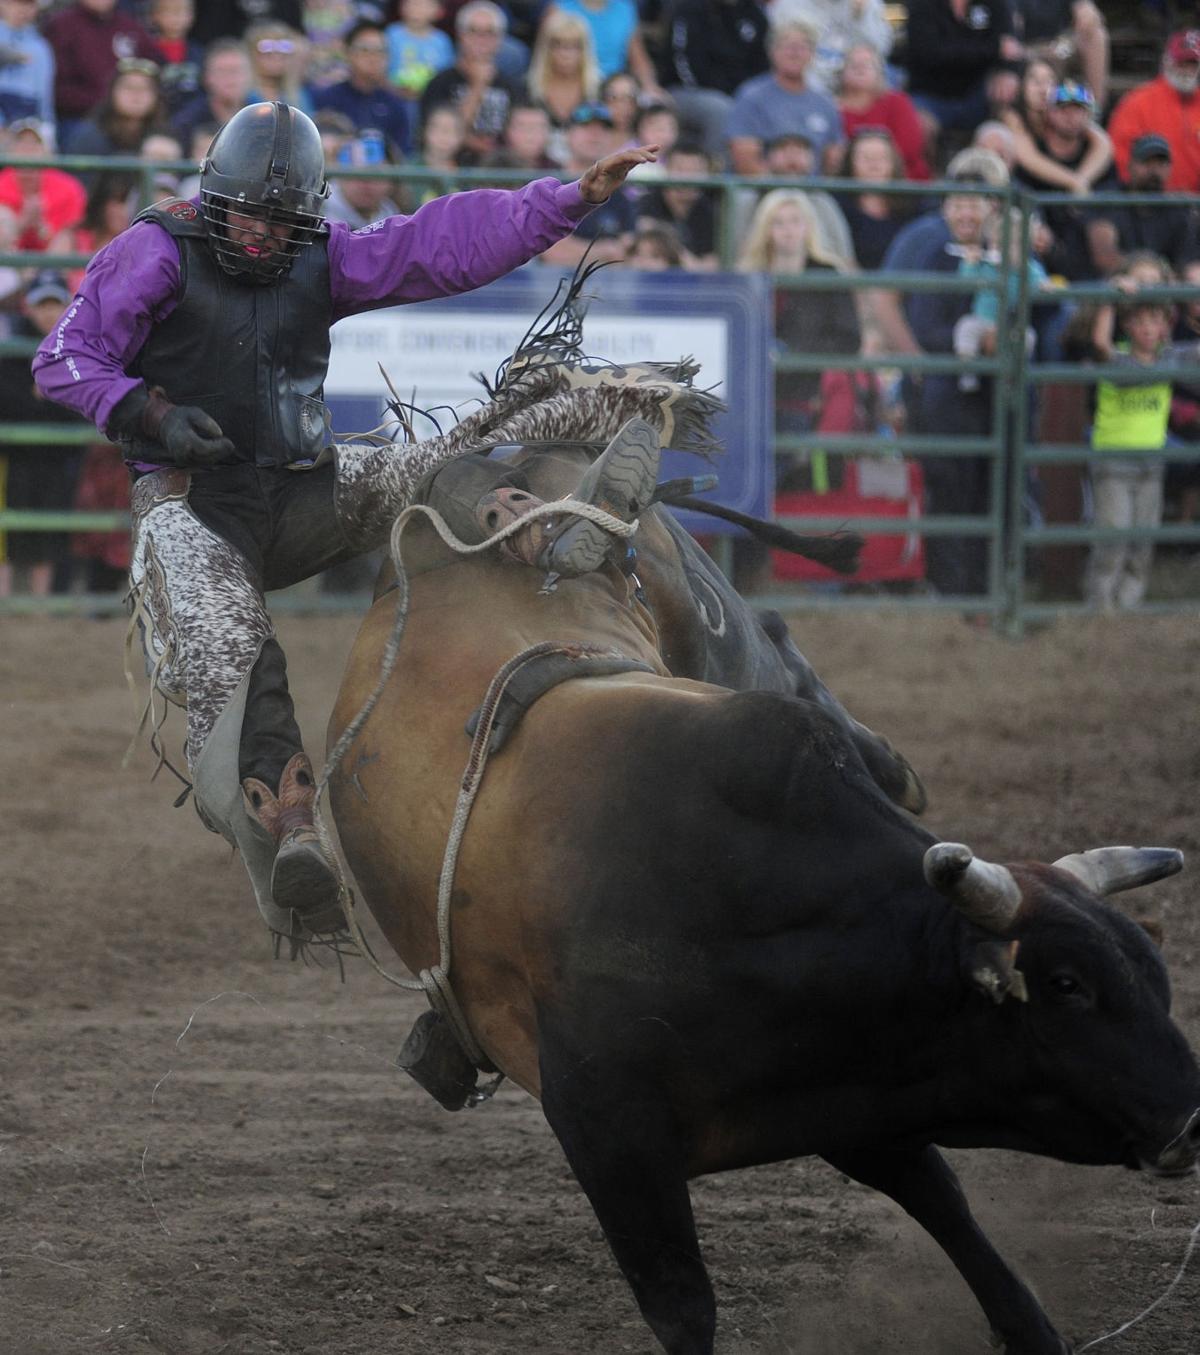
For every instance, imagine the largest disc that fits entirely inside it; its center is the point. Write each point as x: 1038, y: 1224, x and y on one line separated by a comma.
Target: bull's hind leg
x: 923, y: 1185
x: 620, y: 1144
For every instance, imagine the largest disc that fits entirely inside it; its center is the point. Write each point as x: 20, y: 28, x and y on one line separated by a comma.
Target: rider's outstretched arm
x: 464, y: 240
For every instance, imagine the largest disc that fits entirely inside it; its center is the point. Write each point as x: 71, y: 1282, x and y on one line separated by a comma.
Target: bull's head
x: 1092, y: 1041
x: 990, y: 897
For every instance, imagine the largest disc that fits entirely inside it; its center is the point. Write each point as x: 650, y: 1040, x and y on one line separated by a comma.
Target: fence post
x: 1014, y: 583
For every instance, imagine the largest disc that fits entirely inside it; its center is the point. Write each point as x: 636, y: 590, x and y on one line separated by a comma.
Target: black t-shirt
x: 230, y: 18
x: 871, y: 234
x: 717, y: 44
x: 38, y: 476
x: 697, y: 230
x: 1168, y: 229
x: 1070, y: 255
x: 816, y: 322
x: 450, y: 87
x: 613, y: 218
x: 948, y: 57
x: 1038, y: 20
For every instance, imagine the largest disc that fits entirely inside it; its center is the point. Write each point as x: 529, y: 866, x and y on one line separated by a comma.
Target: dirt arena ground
x: 207, y: 1152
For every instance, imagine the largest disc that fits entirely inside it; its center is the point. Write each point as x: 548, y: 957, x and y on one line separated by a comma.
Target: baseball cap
x: 979, y: 166
x: 1152, y: 146
x: 47, y: 285
x: 1183, y: 46
x: 1072, y: 92
x: 789, y: 139
x: 591, y: 112
x: 365, y: 150
x: 34, y: 125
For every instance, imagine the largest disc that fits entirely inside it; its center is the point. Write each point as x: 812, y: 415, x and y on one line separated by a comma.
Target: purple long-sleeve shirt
x: 452, y: 244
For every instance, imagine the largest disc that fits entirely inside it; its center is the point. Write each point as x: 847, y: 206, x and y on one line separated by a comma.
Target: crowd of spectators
x: 781, y: 91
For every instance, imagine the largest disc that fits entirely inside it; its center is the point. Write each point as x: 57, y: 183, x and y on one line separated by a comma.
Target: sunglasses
x: 135, y: 65
x: 1071, y: 93
x: 589, y: 113
x: 283, y: 45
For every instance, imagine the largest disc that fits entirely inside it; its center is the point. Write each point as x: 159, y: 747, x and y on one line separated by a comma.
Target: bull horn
x: 1109, y: 870
x: 985, y: 893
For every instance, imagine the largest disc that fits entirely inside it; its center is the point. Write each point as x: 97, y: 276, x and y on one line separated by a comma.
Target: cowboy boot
x: 304, y: 878
x: 621, y: 481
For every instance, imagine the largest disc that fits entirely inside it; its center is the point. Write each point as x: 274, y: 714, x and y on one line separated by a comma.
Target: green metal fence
x: 1011, y: 538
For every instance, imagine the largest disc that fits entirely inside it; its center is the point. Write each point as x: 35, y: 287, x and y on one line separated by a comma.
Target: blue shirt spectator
x: 613, y: 24
x: 364, y: 96
x: 936, y: 404
x: 417, y: 50
x: 781, y: 103
x: 26, y: 65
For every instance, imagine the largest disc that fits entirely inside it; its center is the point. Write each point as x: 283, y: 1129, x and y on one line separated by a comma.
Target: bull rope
x: 1162, y: 1298
x: 434, y: 981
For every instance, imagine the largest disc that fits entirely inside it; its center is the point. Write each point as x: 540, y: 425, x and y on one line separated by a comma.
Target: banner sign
x: 431, y: 352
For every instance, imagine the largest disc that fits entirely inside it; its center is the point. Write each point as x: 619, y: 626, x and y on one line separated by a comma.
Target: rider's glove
x: 192, y: 438
x: 187, y: 436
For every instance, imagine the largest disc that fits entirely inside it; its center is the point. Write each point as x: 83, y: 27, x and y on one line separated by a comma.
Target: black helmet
x: 266, y: 162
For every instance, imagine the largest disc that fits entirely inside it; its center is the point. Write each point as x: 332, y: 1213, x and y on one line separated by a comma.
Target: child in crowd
x: 35, y: 476
x: 655, y: 249
x: 1130, y: 428
x: 160, y: 148
x: 978, y: 327
x: 170, y: 23
x: 416, y: 49
x: 442, y: 135
x: 691, y: 213
x: 658, y: 120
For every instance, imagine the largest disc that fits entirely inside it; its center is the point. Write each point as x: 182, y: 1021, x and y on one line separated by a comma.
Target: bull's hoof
x: 435, y: 1059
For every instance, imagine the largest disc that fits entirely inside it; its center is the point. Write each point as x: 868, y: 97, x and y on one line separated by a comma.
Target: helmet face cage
x: 291, y: 192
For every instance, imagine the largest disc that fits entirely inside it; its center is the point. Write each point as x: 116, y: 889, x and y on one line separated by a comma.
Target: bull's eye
x: 1065, y: 985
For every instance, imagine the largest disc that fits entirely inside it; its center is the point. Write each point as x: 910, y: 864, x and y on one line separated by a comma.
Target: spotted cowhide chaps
x: 208, y: 545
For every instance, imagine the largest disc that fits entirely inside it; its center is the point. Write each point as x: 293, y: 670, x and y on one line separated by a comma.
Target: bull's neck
x: 933, y: 1024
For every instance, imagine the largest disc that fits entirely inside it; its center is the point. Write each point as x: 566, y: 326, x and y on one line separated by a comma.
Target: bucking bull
x: 689, y: 913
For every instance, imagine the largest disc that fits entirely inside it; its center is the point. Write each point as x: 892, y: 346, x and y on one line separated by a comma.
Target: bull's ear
x: 994, y: 971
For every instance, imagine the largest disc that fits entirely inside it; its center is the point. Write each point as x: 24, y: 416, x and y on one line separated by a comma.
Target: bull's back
x: 395, y: 792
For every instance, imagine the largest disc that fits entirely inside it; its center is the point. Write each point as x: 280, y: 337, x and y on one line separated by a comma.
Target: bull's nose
x: 1181, y: 1154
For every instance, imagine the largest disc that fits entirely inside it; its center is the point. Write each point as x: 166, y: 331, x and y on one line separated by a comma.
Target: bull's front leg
x: 923, y: 1185
x: 624, y: 1153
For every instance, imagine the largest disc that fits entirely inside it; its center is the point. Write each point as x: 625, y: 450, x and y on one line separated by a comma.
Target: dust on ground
x: 207, y: 1152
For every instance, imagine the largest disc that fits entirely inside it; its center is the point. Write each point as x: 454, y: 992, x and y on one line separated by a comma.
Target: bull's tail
x: 838, y: 551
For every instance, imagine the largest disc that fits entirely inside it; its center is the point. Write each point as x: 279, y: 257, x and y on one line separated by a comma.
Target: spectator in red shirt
x: 1168, y: 105
x: 866, y: 101
x: 38, y: 205
x: 89, y: 38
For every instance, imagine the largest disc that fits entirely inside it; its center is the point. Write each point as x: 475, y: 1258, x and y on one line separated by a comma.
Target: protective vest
x: 253, y: 357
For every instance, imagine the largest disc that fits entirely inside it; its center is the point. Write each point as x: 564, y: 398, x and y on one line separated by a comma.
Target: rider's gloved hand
x: 187, y: 436
x: 192, y: 438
